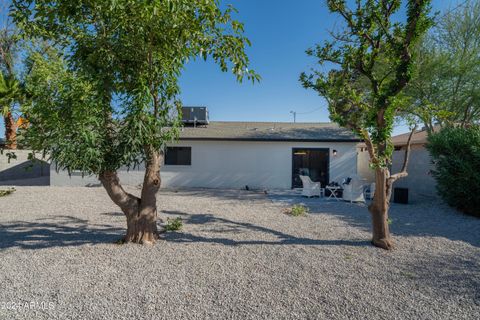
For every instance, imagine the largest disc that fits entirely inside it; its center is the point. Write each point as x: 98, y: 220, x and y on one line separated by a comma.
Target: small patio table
x: 333, y: 191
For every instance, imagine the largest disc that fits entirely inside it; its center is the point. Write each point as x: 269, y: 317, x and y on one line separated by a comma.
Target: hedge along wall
x: 456, y: 152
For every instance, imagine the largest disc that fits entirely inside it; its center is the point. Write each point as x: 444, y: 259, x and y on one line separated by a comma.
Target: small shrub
x: 297, y: 210
x: 6, y: 192
x: 174, y: 224
x: 456, y: 154
x: 408, y: 274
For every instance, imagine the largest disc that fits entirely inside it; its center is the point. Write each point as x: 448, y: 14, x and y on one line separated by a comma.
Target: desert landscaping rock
x: 237, y: 257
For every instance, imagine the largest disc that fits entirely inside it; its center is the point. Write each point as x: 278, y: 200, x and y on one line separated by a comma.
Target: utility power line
x: 454, y: 9
x: 294, y: 113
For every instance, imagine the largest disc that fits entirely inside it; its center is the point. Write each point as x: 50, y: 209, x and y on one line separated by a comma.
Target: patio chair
x: 353, y: 191
x: 310, y: 188
x: 370, y: 191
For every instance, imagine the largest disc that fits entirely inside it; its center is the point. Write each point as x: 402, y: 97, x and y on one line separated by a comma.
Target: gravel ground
x: 237, y: 257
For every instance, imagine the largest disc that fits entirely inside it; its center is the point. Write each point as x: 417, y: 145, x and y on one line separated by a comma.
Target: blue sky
x: 280, y: 32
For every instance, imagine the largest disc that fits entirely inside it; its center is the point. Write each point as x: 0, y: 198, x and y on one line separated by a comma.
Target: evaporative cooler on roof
x: 195, y: 115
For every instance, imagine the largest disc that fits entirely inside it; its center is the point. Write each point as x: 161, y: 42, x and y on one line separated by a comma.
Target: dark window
x: 178, y: 156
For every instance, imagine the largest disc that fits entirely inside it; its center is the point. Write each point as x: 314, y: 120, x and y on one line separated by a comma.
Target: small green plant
x: 174, y: 224
x: 6, y: 192
x: 297, y: 210
x: 408, y: 274
x: 390, y: 221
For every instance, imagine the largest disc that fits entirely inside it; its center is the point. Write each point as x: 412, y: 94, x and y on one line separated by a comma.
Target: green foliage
x: 6, y: 192
x: 297, y: 210
x: 456, y: 154
x: 108, y: 97
x: 9, y: 154
x: 11, y: 88
x: 66, y: 118
x: 367, y: 65
x: 174, y: 224
x: 10, y: 93
x: 445, y: 89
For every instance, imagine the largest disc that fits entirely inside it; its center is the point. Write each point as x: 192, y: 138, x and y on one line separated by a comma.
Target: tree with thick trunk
x: 110, y: 100
x: 10, y: 131
x: 141, y: 213
x: 370, y: 62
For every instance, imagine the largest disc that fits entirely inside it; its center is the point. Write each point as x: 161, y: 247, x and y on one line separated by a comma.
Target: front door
x: 312, y: 162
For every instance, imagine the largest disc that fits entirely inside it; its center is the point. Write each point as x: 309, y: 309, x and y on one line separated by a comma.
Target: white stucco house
x: 260, y: 155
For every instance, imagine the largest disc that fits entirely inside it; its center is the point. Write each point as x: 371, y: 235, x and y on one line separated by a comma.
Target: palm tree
x: 10, y: 94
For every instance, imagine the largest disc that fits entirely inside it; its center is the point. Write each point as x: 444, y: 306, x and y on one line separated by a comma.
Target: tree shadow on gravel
x: 223, y: 225
x: 451, y: 276
x: 57, y: 231
x: 217, y: 194
x: 417, y: 220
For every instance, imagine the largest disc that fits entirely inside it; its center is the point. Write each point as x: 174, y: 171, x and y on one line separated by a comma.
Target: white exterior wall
x: 363, y: 165
x: 232, y: 164
x: 420, y: 182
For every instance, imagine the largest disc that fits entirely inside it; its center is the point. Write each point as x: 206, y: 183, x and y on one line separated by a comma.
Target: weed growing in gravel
x: 6, y: 192
x: 174, y: 224
x: 297, y: 210
x: 120, y: 241
x: 408, y: 274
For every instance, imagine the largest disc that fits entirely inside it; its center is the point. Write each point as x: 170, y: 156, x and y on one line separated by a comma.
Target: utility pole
x: 294, y: 116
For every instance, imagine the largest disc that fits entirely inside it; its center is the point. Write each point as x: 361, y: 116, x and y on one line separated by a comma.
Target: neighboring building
x: 419, y: 182
x: 260, y: 155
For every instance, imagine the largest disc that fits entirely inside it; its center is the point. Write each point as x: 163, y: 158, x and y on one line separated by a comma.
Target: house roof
x: 268, y: 131
x: 419, y: 138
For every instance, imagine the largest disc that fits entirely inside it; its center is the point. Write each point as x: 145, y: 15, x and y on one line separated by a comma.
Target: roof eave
x: 268, y: 140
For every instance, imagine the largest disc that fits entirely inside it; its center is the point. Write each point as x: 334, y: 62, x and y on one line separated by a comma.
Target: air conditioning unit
x: 195, y: 115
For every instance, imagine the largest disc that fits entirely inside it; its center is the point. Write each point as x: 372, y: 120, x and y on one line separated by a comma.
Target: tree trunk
x: 379, y: 210
x: 141, y: 213
x: 10, y: 132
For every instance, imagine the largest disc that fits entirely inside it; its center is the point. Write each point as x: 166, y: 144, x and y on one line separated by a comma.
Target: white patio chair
x: 310, y: 188
x: 353, y: 191
x: 370, y: 191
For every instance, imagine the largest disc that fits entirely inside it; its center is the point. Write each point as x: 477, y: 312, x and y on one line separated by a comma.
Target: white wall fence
x: 20, y: 167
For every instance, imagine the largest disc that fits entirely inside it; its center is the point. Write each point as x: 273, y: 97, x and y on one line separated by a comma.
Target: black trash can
x: 400, y: 195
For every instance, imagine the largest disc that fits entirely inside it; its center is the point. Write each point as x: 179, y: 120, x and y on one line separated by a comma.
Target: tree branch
x: 126, y: 201
x: 403, y: 172
x: 370, y: 147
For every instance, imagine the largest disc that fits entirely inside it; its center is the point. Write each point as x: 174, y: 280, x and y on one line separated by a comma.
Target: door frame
x: 313, y: 149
